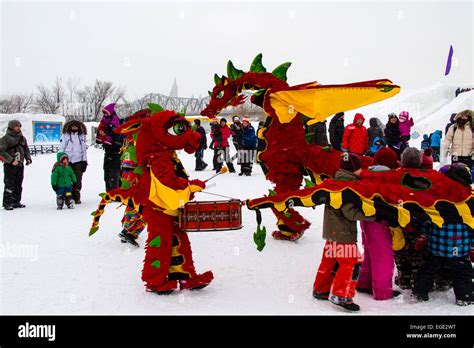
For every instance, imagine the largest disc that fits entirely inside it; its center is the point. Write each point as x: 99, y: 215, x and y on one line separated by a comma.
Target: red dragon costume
x: 161, y: 187
x: 285, y: 156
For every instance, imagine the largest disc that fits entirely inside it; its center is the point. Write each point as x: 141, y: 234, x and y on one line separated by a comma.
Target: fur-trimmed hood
x: 80, y: 125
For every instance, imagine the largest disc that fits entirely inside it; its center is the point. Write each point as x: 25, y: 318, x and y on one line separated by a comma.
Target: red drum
x: 211, y: 216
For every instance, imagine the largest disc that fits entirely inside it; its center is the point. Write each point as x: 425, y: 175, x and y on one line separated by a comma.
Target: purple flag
x: 448, y: 63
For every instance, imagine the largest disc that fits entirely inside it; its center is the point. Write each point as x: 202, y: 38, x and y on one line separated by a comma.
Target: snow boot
x: 197, y: 282
x: 127, y: 238
x: 464, y: 303
x: 69, y: 203
x: 9, y: 207
x: 59, y: 202
x: 19, y: 205
x: 320, y: 295
x: 420, y: 297
x: 349, y: 306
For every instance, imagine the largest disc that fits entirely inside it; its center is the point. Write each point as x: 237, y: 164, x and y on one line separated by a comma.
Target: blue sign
x: 46, y: 132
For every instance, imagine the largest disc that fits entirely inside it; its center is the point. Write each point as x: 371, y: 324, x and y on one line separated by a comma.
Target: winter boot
x: 127, y: 238
x: 59, y: 202
x: 19, y: 205
x: 69, y: 202
x: 420, y: 297
x: 197, y: 282
x: 349, y: 306
x: 464, y: 303
x: 320, y: 295
x: 8, y: 207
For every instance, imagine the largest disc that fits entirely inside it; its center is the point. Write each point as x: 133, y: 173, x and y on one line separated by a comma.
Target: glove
x: 421, y: 242
x: 55, y: 188
x: 84, y: 166
x: 197, y: 185
x: 28, y: 162
x: 471, y: 254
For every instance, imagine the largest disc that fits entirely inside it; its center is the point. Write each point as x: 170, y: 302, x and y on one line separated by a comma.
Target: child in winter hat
x: 427, y: 159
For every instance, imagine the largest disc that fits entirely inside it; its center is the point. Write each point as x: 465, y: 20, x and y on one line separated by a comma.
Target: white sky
x: 143, y: 46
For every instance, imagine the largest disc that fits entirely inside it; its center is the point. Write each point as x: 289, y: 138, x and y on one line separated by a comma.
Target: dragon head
x: 157, y: 130
x: 228, y: 89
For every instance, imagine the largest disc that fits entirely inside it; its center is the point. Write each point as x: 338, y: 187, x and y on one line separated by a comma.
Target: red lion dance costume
x: 162, y: 187
x: 284, y: 155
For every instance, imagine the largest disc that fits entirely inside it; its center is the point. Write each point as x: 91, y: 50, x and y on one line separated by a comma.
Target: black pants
x: 13, y: 180
x: 111, y: 171
x: 221, y: 155
x: 460, y: 271
x: 77, y: 186
x: 246, y: 159
x: 200, y: 164
x: 467, y: 160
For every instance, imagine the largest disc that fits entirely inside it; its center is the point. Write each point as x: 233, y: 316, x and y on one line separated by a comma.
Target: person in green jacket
x: 62, y: 178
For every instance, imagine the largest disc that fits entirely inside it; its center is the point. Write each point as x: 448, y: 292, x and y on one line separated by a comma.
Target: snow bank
x: 37, y: 128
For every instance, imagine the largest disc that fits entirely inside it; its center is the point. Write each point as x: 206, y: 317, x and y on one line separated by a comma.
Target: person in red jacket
x: 355, y: 136
x: 220, y: 134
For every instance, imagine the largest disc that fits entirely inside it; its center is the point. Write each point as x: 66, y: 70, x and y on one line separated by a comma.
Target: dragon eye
x: 177, y: 129
x: 220, y: 95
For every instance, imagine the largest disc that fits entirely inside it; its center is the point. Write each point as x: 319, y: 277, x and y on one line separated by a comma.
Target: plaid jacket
x: 449, y: 240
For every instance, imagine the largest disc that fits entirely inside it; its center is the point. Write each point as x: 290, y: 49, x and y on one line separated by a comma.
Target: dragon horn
x: 280, y: 71
x: 257, y: 66
x: 233, y: 72
x: 217, y: 79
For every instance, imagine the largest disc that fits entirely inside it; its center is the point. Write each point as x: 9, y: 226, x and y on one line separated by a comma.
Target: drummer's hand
x: 197, y: 185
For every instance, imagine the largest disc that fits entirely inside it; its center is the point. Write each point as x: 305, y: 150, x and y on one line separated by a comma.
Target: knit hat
x: 236, y: 119
x: 386, y: 157
x: 404, y: 115
x: 13, y: 123
x: 444, y: 169
x: 223, y: 120
x: 411, y: 158
x: 350, y: 162
x: 460, y: 172
x: 392, y: 115
x: 246, y: 119
x: 109, y: 109
x: 339, y: 114
x: 427, y: 159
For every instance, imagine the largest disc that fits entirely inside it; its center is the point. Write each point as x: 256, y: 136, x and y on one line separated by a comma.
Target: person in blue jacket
x: 435, y: 144
x: 249, y: 145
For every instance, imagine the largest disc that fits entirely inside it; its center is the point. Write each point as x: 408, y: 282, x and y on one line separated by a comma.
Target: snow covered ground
x: 49, y: 265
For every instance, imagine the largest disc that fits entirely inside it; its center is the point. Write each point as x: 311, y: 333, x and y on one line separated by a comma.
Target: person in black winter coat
x: 374, y: 130
x: 199, y: 154
x: 236, y: 132
x: 336, y: 131
x: 317, y: 134
x: 14, y: 151
x: 111, y: 143
x: 392, y: 134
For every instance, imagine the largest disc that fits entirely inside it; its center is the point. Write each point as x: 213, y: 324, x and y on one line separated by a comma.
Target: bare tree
x: 15, y: 103
x: 48, y: 100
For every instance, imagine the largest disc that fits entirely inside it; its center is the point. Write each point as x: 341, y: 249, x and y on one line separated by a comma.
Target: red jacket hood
x: 357, y: 116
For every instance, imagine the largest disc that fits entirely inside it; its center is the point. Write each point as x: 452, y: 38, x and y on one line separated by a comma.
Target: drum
x: 211, y: 216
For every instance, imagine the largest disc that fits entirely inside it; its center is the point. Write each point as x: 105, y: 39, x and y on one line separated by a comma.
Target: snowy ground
x: 49, y: 265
